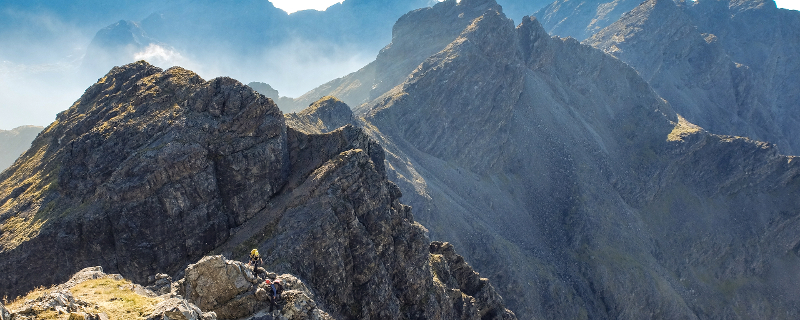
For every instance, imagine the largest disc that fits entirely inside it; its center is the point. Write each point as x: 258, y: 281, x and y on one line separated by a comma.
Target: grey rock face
x: 179, y: 309
x: 161, y: 164
x: 411, y: 44
x: 230, y: 291
x: 323, y: 116
x: 570, y: 183
x: 153, y: 167
x: 285, y: 103
x: 581, y: 19
x: 711, y: 82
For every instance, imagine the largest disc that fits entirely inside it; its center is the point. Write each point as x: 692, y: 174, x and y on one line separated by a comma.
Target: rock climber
x: 273, y: 303
x: 255, y: 260
x: 277, y: 289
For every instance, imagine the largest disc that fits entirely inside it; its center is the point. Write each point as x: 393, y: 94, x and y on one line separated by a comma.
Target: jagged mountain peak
x: 152, y: 169
x: 557, y: 166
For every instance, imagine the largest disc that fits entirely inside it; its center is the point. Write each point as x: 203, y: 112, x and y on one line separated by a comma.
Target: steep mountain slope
x: 416, y: 36
x: 152, y: 169
x: 580, y: 19
x: 565, y: 177
x: 696, y: 74
x: 14, y: 142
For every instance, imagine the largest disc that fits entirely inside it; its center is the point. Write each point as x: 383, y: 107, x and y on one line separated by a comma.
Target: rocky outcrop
x: 15, y: 142
x: 161, y: 164
x: 230, y: 290
x: 179, y: 309
x: 61, y: 301
x: 710, y: 81
x: 151, y: 168
x: 323, y: 116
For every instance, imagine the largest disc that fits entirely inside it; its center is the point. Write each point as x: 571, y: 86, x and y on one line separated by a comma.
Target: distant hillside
x: 15, y: 142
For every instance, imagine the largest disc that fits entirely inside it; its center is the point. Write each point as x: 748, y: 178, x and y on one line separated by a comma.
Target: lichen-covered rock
x: 4, y: 314
x: 223, y: 287
x: 179, y: 309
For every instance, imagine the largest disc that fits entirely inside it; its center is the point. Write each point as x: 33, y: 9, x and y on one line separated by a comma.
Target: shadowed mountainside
x: 730, y: 68
x: 561, y: 173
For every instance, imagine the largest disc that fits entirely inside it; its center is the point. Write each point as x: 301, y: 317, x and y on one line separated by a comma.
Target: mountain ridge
x: 709, y: 80
x: 564, y: 176
x: 152, y: 169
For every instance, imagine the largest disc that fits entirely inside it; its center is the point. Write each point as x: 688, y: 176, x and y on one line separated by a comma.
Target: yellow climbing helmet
x: 254, y: 253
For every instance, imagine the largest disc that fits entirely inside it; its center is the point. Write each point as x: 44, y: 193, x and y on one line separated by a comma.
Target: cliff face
x: 147, y: 171
x: 564, y: 176
x: 580, y: 19
x: 415, y: 36
x: 715, y: 82
x: 152, y: 169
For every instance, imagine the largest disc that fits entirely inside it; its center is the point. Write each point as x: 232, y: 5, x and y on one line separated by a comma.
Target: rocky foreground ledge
x: 218, y: 288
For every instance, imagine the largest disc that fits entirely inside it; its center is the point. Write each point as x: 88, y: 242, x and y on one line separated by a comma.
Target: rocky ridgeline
x: 218, y: 288
x: 559, y: 171
x: 727, y: 66
x: 153, y: 169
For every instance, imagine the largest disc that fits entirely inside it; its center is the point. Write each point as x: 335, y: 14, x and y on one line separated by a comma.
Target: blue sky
x: 38, y: 63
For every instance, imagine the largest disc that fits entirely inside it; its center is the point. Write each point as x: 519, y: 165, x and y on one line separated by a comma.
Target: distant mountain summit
x: 729, y: 67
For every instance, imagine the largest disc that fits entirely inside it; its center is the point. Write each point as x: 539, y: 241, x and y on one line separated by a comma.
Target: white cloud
x: 296, y: 5
x: 788, y: 4
x: 160, y: 56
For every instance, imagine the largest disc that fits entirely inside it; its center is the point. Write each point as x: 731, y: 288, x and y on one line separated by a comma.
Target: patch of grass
x: 17, y: 230
x: 115, y: 298
x: 34, y: 294
x: 682, y: 129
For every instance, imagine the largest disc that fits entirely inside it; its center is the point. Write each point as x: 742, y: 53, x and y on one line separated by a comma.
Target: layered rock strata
x: 151, y: 169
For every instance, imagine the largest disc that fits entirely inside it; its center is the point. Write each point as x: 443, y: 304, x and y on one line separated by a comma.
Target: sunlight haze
x: 296, y: 5
x: 788, y: 4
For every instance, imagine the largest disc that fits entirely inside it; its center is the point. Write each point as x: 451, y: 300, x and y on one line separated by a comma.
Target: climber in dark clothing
x: 255, y: 260
x: 277, y: 289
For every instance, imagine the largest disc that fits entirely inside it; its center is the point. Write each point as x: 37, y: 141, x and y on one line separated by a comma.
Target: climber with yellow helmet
x: 255, y: 260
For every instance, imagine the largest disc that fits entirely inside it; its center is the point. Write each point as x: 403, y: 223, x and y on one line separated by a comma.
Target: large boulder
x: 224, y: 286
x: 229, y: 290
